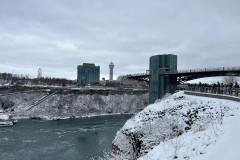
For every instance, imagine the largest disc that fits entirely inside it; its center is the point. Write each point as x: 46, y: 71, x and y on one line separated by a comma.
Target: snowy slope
x: 228, y: 146
x: 182, y: 127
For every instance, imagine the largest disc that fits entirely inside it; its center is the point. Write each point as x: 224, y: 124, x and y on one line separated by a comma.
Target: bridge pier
x: 162, y: 81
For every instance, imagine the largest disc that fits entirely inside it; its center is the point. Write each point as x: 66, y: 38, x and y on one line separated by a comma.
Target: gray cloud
x: 58, y: 35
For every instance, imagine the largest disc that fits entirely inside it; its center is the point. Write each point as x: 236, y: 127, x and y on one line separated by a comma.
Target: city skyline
x: 58, y: 35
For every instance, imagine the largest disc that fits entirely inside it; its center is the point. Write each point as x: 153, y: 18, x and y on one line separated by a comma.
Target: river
x: 71, y: 139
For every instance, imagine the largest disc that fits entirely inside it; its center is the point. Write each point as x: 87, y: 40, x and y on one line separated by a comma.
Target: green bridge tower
x: 161, y: 84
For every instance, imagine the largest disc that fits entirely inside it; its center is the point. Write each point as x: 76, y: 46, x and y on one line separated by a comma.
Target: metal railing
x: 231, y: 91
x: 170, y: 71
x: 210, y: 69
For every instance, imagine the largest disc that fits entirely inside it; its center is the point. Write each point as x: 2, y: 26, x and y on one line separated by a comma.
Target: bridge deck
x: 186, y: 75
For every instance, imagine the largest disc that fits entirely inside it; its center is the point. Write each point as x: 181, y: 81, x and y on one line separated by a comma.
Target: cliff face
x: 178, y: 126
x: 65, y: 103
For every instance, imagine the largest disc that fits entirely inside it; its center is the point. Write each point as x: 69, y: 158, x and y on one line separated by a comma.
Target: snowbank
x: 227, y: 148
x: 182, y: 127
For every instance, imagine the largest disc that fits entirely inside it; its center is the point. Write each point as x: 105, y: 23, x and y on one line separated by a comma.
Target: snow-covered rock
x: 181, y: 127
x: 71, y: 103
x: 6, y: 103
x: 4, y: 117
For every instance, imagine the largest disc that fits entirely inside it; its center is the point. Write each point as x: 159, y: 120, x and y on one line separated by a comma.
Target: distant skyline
x: 59, y: 35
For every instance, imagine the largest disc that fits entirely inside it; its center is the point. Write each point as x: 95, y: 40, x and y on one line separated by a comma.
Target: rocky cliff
x: 54, y: 103
x: 178, y: 126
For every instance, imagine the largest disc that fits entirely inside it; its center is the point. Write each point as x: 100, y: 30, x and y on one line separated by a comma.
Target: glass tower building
x: 161, y: 67
x: 88, y: 73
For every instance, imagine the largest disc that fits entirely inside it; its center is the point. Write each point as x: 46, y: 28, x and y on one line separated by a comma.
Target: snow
x: 69, y: 105
x: 4, y: 117
x: 183, y: 127
x: 229, y: 144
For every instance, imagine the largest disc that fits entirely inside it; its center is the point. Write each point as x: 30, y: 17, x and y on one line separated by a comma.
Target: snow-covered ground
x: 182, y: 127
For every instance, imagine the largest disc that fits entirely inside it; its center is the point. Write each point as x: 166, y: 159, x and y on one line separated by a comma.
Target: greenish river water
x: 71, y: 139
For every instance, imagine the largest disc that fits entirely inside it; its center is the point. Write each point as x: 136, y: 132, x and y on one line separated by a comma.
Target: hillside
x: 181, y: 127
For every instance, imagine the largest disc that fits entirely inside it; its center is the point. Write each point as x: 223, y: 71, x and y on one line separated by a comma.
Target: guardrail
x: 170, y: 71
x: 231, y: 91
x: 210, y: 69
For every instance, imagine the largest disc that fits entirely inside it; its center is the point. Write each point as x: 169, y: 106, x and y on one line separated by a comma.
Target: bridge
x: 163, y: 75
x: 191, y: 74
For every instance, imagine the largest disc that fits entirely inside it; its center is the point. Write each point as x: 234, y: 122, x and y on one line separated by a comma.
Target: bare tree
x: 230, y: 79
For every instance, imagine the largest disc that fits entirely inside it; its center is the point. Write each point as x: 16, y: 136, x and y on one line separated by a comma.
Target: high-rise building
x: 111, y: 66
x: 161, y: 84
x: 88, y: 73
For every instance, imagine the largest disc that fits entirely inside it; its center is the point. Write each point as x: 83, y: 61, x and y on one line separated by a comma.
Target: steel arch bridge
x: 187, y: 75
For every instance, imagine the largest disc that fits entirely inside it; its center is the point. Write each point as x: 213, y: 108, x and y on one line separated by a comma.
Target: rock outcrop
x: 175, y: 118
x: 6, y: 103
x: 77, y: 102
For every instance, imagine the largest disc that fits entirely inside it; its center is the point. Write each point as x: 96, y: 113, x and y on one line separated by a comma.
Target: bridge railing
x: 136, y: 74
x: 231, y: 91
x: 210, y: 69
x: 170, y: 71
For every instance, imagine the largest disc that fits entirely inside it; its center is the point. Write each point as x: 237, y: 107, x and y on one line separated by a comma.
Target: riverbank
x: 180, y: 127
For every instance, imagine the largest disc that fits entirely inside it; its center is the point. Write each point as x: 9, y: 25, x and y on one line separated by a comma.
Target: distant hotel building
x: 88, y: 73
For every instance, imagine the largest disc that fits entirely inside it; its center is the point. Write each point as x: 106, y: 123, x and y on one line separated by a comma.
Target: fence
x: 213, y: 90
x: 229, y: 69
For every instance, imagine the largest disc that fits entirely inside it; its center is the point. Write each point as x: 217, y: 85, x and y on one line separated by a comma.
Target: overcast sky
x: 58, y: 35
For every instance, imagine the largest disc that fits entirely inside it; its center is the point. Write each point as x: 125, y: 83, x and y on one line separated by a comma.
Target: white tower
x: 39, y: 73
x: 111, y: 66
